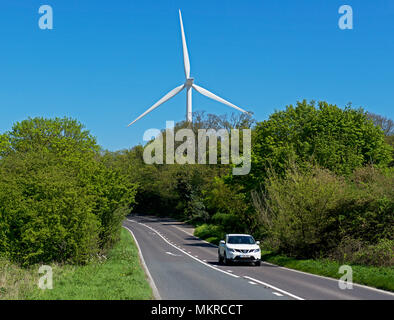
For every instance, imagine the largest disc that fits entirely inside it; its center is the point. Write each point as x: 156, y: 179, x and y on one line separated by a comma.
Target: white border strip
x: 284, y: 268
x: 155, y: 292
x: 184, y: 252
x: 208, y: 265
x: 333, y: 279
x: 275, y: 288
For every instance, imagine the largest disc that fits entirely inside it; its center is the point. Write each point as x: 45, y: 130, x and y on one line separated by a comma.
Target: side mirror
x: 222, y: 242
x: 258, y: 243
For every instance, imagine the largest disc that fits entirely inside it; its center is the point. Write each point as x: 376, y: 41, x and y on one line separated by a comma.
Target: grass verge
x: 117, y: 277
x: 378, y: 277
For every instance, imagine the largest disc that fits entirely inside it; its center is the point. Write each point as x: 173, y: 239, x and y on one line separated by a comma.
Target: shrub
x: 195, y: 209
x: 45, y: 215
x: 297, y: 210
x: 309, y: 212
x: 354, y: 251
x: 58, y: 201
x: 380, y: 254
x: 229, y: 222
x: 210, y: 232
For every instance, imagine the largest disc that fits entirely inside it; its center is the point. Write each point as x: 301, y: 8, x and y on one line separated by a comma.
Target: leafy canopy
x: 340, y: 140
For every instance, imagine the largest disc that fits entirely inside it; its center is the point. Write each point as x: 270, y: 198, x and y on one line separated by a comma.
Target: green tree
x: 58, y: 199
x: 308, y: 213
x: 340, y: 140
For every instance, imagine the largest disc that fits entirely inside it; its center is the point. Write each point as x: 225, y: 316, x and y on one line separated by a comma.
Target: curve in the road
x: 277, y: 282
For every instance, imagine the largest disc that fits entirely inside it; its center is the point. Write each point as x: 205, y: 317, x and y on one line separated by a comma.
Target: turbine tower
x: 188, y: 85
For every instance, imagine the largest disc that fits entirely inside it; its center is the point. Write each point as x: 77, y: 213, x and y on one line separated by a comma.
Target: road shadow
x: 232, y: 264
x: 192, y: 238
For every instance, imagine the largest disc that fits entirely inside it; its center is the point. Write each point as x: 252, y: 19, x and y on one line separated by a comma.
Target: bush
x: 367, y: 210
x: 308, y: 213
x: 210, y: 232
x: 354, y: 251
x: 380, y: 254
x: 297, y: 211
x: 58, y: 201
x: 229, y: 207
x: 45, y: 215
x: 195, y: 210
x: 229, y: 222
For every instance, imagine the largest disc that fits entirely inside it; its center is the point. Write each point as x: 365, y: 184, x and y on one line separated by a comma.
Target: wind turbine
x: 188, y: 85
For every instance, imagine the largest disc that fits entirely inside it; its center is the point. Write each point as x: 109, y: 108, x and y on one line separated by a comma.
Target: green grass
x: 117, y: 277
x: 378, y: 277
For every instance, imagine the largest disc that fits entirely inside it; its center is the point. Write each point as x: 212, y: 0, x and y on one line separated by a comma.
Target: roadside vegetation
x: 114, y: 276
x: 378, y: 277
x: 320, y: 189
x: 61, y: 205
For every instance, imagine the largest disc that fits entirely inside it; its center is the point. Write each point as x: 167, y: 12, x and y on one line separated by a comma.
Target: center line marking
x: 173, y: 254
x: 204, y: 263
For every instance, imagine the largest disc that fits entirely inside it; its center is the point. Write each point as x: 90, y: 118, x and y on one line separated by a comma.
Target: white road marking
x: 150, y: 278
x: 173, y: 254
x: 275, y: 288
x: 204, y: 263
x: 229, y: 270
x: 277, y: 294
x: 280, y: 267
x: 328, y: 278
x: 217, y: 269
x: 251, y: 282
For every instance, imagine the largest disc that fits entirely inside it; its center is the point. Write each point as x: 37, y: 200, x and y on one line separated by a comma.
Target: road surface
x: 183, y: 267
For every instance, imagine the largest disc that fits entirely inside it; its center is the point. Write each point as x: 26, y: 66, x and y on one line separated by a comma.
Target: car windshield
x: 240, y: 240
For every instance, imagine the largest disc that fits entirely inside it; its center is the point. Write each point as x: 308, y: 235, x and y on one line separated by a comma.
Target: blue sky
x: 106, y: 62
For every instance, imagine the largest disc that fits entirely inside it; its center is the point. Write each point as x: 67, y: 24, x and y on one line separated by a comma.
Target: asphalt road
x: 184, y: 267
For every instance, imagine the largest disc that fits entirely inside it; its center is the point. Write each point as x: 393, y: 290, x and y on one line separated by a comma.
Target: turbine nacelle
x: 189, y: 82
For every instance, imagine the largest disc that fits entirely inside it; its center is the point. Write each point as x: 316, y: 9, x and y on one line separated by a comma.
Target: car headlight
x: 230, y: 250
x: 257, y: 250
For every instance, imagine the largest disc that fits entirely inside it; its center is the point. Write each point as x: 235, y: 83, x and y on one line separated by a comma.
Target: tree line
x: 321, y: 185
x: 58, y: 200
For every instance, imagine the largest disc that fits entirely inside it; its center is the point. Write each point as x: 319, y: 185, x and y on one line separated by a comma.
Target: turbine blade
x: 186, y: 61
x: 167, y: 97
x: 208, y: 94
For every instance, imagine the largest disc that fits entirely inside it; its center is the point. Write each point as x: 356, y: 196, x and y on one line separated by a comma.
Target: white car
x: 238, y: 248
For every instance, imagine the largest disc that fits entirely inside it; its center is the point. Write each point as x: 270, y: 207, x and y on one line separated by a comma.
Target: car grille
x: 244, y: 251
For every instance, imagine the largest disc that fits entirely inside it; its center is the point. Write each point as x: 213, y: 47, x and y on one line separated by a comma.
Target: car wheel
x: 257, y: 263
x: 220, y: 259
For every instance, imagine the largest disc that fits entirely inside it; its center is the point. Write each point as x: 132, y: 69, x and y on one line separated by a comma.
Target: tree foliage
x: 310, y: 212
x: 320, y: 185
x: 340, y: 140
x: 58, y: 201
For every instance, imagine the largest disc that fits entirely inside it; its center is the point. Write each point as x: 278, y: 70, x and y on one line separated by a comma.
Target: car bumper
x: 250, y: 257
